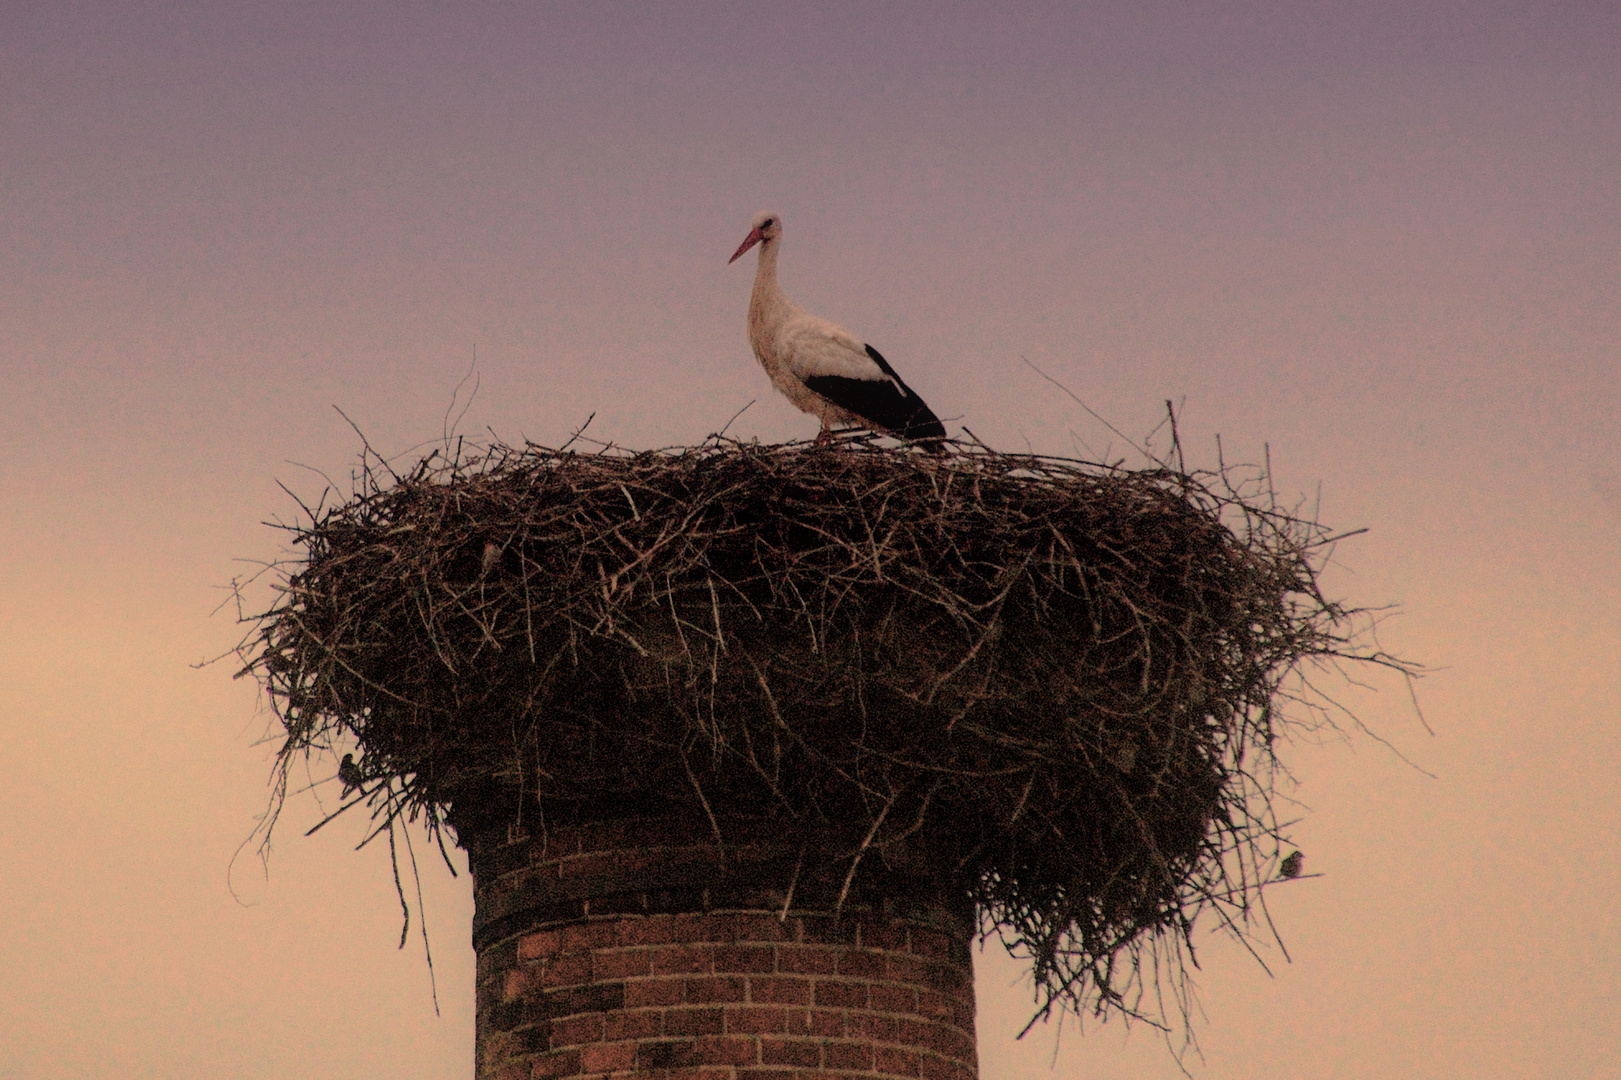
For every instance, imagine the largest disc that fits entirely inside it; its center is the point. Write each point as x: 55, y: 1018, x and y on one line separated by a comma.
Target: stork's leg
x: 824, y: 436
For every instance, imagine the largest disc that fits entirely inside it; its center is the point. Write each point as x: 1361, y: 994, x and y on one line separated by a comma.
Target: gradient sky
x: 1381, y: 239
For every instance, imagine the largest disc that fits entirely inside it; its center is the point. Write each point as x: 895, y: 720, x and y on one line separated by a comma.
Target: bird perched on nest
x: 820, y: 366
x: 349, y: 774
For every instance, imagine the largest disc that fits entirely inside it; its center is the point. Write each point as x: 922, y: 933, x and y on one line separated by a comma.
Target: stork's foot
x: 824, y: 437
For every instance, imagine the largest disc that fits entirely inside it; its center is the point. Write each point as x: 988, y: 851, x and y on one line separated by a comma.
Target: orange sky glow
x: 1378, y: 240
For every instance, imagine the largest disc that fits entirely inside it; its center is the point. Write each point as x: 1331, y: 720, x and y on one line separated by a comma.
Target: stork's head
x: 766, y: 228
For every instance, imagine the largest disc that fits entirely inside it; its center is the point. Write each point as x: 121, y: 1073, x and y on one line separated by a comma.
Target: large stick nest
x: 1052, y: 685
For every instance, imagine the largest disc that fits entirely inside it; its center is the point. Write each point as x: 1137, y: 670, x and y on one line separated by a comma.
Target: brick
x: 911, y: 1031
x: 598, y: 997
x: 865, y: 1025
x: 848, y: 1055
x: 621, y: 963
x: 744, y: 959
x: 648, y: 930
x: 946, y: 978
x: 713, y: 988
x: 756, y: 1019
x: 492, y: 990
x: 807, y: 960
x: 896, y: 1061
x: 727, y: 1050
x: 568, y: 970
x: 843, y: 933
x: 941, y: 1069
x: 522, y: 982
x: 495, y: 960
x: 780, y: 990
x: 805, y: 1053
x: 535, y: 1039
x: 503, y: 1016
x: 491, y: 987
x: 860, y: 965
x: 682, y: 959
x: 943, y: 1006
x: 560, y: 1063
x: 953, y: 1043
x: 822, y: 1023
x: 602, y: 864
x: 937, y: 946
x: 493, y: 1048
x: 574, y: 1030
x: 705, y: 928
x: 889, y: 936
x: 711, y: 1050
x: 767, y: 929
x: 704, y: 1020
x: 639, y: 1024
x: 893, y: 998
x: 904, y: 967
x: 608, y: 1057
x: 676, y: 902
x: 489, y: 1047
x: 642, y: 993
x: 841, y: 993
x: 583, y: 937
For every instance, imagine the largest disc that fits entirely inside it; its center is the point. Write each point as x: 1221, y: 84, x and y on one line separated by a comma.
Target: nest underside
x: 1049, y: 684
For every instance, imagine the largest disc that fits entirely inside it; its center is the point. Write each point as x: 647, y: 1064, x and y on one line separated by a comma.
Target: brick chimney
x: 644, y: 948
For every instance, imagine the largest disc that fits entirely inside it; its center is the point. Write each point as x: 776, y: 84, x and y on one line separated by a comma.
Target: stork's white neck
x: 765, y: 274
x: 768, y: 304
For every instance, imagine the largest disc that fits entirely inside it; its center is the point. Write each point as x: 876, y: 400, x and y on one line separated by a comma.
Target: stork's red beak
x: 754, y: 237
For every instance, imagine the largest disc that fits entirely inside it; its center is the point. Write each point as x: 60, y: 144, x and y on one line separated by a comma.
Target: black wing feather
x: 888, y: 406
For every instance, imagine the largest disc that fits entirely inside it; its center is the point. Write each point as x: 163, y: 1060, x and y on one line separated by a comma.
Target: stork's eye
x: 767, y: 223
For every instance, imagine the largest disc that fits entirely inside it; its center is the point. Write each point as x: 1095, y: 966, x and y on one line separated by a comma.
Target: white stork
x: 820, y: 366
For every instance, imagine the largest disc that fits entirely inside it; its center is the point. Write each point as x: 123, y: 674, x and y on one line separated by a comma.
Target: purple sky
x: 1381, y: 239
